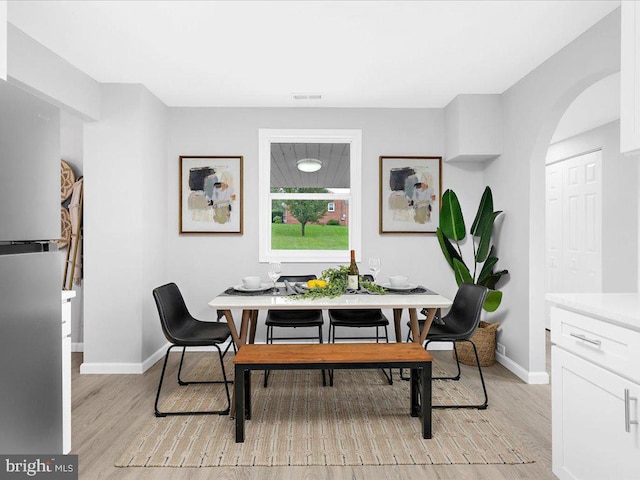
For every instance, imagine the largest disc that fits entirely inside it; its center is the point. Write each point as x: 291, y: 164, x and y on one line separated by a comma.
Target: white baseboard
x: 136, y: 368
x: 110, y: 368
x: 532, y: 378
x: 77, y: 347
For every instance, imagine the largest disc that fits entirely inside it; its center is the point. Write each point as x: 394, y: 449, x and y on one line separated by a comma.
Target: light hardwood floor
x: 108, y: 410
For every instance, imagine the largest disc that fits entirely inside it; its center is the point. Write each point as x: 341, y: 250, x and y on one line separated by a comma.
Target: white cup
x: 398, y: 280
x: 251, y: 282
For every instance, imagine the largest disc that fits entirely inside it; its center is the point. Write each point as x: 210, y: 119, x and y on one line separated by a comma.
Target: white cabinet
x: 595, y: 392
x: 67, y: 295
x: 630, y: 78
x: 592, y: 410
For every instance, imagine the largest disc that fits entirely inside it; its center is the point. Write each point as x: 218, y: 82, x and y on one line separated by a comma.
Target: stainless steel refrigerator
x: 30, y: 275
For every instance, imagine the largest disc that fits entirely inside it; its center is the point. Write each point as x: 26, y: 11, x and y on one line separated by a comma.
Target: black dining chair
x: 359, y: 318
x: 294, y: 319
x: 182, y: 330
x: 459, y: 325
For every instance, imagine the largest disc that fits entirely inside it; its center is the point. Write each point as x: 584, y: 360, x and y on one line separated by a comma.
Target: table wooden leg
x: 415, y: 327
x: 397, y: 316
x: 244, y: 326
x: 253, y: 326
x: 431, y: 313
x: 232, y: 326
x: 238, y: 404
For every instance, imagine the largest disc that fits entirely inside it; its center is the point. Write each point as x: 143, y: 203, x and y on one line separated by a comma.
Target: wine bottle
x: 353, y: 277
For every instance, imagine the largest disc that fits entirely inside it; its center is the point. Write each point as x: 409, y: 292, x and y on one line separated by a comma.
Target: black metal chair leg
x: 388, y: 376
x: 180, y: 382
x: 164, y: 368
x: 484, y: 387
x: 324, y: 378
x: 224, y: 381
x: 481, y: 406
x: 268, y: 340
x: 194, y: 382
x: 332, y: 339
x: 455, y: 351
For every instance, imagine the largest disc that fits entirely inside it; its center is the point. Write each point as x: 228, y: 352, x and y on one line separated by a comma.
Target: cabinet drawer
x: 603, y: 343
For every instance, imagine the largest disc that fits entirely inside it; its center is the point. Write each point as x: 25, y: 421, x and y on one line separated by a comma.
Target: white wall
x: 204, y: 265
x: 71, y: 151
x: 619, y: 203
x: 124, y: 251
x: 3, y: 39
x: 532, y: 109
x: 153, y: 216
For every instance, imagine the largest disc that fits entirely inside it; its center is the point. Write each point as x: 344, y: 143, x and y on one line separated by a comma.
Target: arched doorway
x: 591, y: 190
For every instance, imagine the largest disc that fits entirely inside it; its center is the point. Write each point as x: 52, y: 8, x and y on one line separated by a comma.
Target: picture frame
x: 410, y: 194
x: 211, y: 194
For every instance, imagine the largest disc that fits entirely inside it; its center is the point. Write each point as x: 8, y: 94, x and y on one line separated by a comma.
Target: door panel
x: 574, y: 225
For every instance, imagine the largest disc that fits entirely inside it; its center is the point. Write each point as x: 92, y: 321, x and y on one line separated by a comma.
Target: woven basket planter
x: 485, y: 340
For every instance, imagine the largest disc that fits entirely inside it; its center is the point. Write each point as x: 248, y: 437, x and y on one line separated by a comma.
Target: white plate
x: 261, y: 288
x: 408, y: 286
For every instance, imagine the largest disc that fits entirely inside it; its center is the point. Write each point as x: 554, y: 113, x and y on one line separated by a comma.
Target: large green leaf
x: 448, y: 249
x: 494, y: 278
x: 462, y: 272
x: 485, y: 236
x: 487, y: 268
x: 485, y: 209
x: 451, y: 219
x: 493, y: 300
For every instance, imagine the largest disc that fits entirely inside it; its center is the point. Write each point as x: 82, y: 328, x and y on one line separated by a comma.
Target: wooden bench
x: 334, y: 356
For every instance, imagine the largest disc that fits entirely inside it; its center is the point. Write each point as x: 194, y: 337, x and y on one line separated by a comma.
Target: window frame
x: 331, y: 207
x: 268, y: 136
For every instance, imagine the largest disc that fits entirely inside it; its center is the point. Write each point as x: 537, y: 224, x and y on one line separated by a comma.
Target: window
x: 309, y: 194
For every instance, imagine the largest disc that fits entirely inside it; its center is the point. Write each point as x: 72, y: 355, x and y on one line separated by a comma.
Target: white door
x: 582, y: 222
x: 553, y: 229
x: 574, y: 225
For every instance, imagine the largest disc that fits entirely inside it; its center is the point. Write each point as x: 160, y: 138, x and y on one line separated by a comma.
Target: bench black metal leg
x: 425, y: 380
x: 239, y: 394
x: 247, y: 394
x: 415, y: 390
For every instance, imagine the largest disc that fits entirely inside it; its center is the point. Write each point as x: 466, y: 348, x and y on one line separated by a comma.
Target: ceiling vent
x: 307, y: 96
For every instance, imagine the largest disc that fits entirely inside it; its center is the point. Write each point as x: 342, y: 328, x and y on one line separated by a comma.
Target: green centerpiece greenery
x: 336, y: 279
x: 452, y: 229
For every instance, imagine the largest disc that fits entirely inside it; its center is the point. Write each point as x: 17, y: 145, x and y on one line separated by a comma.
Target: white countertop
x: 619, y: 308
x: 68, y: 295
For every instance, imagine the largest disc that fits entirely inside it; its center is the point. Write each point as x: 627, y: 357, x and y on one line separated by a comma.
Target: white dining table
x: 252, y: 304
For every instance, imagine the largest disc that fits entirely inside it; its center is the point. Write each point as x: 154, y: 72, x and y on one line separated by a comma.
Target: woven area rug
x: 296, y: 421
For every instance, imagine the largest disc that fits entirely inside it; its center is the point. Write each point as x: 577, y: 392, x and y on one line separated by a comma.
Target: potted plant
x: 450, y: 233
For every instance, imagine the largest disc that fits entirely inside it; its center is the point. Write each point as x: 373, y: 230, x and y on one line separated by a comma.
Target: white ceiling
x: 354, y: 53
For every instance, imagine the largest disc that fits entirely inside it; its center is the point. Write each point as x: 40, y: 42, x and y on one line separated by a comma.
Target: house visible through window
x: 309, y: 194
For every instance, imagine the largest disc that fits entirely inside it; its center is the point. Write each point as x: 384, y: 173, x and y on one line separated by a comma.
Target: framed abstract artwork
x: 211, y: 193
x: 410, y: 193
